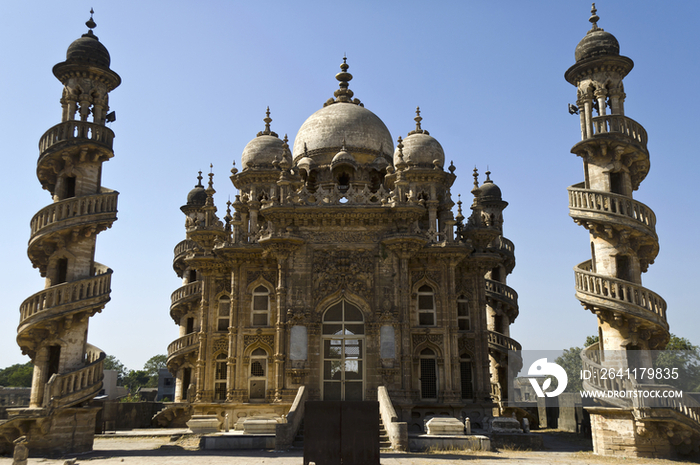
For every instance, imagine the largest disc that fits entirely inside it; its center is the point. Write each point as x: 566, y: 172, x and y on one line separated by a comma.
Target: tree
x: 570, y: 361
x: 683, y: 358
x: 153, y: 366
x: 135, y: 379
x: 112, y: 363
x: 19, y: 375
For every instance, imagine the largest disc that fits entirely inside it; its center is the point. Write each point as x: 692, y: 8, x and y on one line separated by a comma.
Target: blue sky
x: 488, y: 76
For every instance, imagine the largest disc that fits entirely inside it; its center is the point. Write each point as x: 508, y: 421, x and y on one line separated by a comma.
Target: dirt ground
x: 562, y: 448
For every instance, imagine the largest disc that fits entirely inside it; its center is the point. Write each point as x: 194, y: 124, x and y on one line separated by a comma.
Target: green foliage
x: 132, y: 397
x: 590, y: 340
x: 152, y: 366
x: 112, y: 363
x: 136, y: 379
x: 570, y: 361
x: 19, y: 375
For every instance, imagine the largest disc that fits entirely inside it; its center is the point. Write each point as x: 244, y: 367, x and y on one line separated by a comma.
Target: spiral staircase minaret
x: 53, y: 323
x: 631, y: 318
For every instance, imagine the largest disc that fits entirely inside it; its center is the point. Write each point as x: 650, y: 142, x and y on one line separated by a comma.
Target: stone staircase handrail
x: 397, y: 431
x: 76, y: 130
x: 285, y: 432
x: 75, y: 207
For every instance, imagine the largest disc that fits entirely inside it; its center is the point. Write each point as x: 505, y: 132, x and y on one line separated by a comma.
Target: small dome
x: 343, y: 158
x: 265, y: 148
x: 489, y: 192
x: 421, y: 149
x: 88, y: 50
x: 597, y: 43
x: 197, y: 196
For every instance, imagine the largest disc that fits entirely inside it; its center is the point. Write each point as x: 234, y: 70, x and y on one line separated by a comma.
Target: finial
x: 344, y: 94
x: 268, y: 120
x: 199, y: 179
x: 488, y: 173
x: 90, y: 23
x: 211, y: 175
x: 452, y: 167
x: 286, y: 139
x: 476, y: 178
x: 594, y: 18
x: 460, y: 216
x: 418, y: 119
x: 306, y: 150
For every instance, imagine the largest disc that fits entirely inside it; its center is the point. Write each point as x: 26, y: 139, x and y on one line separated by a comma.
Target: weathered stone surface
x: 439, y: 426
x: 204, y: 424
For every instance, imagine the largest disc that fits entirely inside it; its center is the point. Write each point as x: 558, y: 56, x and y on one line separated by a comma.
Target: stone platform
x: 448, y: 442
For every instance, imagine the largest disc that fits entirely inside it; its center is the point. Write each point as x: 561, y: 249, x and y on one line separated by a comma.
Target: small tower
x: 623, y: 242
x: 53, y: 323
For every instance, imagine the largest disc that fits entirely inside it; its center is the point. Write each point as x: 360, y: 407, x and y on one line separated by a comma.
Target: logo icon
x: 541, y: 368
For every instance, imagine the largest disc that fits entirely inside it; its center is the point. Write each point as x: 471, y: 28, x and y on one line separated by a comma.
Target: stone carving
x: 267, y: 339
x: 419, y: 339
x: 466, y: 344
x: 342, y: 269
x: 221, y: 345
x: 267, y: 275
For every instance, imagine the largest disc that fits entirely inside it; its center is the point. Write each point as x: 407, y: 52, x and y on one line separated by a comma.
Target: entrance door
x: 343, y: 349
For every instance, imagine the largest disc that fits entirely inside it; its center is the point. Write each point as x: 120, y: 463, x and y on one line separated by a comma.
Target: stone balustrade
x: 617, y: 290
x: 69, y: 130
x: 620, y: 124
x: 73, y: 208
x: 96, y: 287
x: 183, y: 247
x: 184, y: 292
x: 502, y: 244
x: 611, y: 204
x: 181, y: 344
x: 66, y: 389
x: 504, y: 342
x: 686, y: 405
x: 501, y: 292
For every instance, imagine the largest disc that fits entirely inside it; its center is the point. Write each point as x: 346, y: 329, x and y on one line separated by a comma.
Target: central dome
x: 343, y: 123
x: 325, y: 132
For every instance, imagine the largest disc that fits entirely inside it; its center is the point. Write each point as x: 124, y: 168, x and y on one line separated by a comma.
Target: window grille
x: 466, y: 378
x: 428, y: 378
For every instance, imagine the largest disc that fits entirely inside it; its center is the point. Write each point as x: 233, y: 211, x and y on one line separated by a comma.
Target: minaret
x: 53, y: 323
x: 622, y: 231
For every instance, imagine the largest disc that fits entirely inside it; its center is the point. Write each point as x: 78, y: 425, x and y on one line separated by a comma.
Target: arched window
x: 224, y: 313
x: 428, y: 375
x: 221, y: 373
x: 463, y: 320
x: 257, y: 377
x: 465, y: 371
x: 426, y: 306
x: 260, y: 311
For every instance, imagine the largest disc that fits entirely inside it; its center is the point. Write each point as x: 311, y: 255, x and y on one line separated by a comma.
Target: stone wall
x: 616, y: 434
x: 129, y: 415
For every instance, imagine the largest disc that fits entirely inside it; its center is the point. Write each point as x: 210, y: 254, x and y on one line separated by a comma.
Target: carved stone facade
x: 341, y: 266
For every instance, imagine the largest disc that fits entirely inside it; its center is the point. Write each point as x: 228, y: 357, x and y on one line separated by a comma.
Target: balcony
x: 183, y: 345
x: 76, y: 210
x: 618, y: 295
x: 77, y: 295
x: 79, y: 131
x: 186, y: 293
x: 505, y: 295
x: 605, y: 207
x: 502, y: 342
x: 620, y: 124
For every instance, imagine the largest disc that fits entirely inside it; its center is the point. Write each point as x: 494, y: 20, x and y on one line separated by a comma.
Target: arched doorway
x: 343, y: 352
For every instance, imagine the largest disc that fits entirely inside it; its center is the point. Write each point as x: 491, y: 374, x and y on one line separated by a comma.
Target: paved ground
x: 140, y: 449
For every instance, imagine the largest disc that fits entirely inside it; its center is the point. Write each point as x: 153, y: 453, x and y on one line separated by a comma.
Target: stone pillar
x: 41, y: 361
